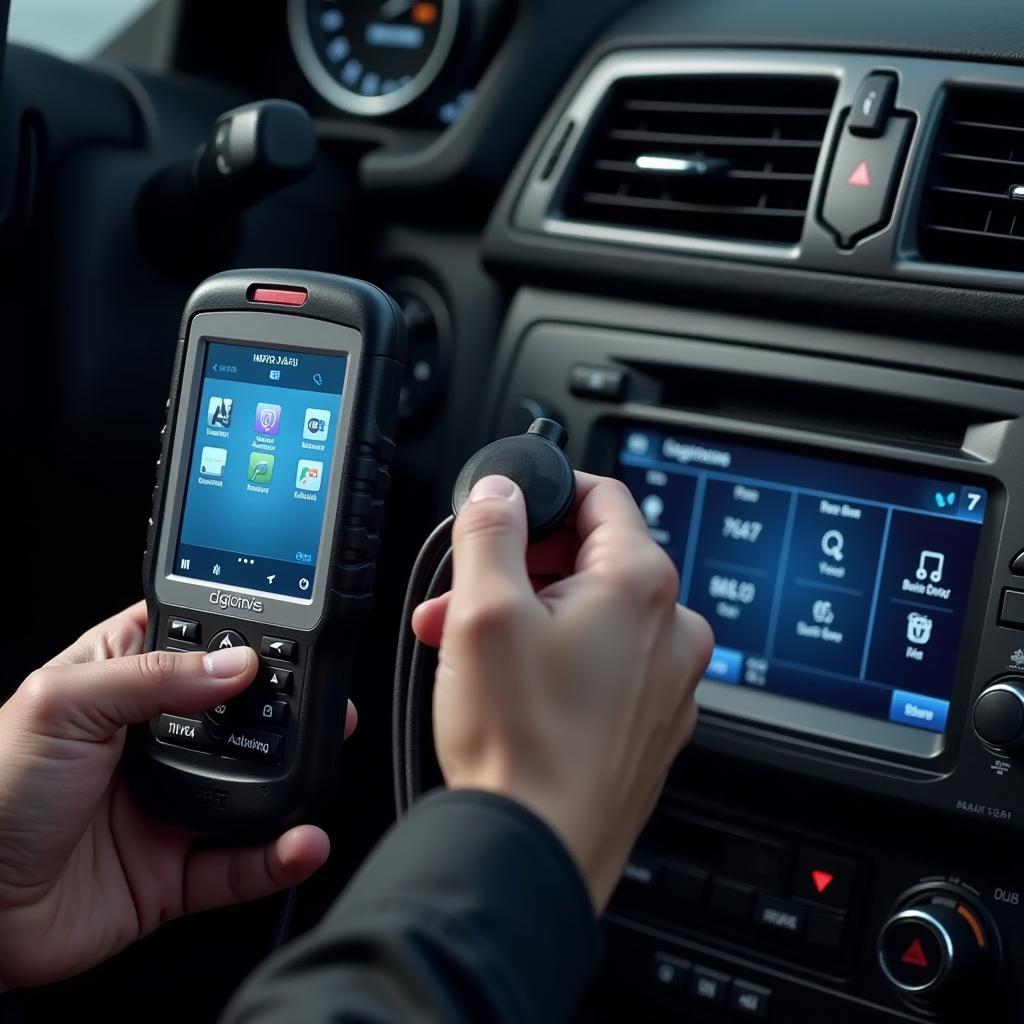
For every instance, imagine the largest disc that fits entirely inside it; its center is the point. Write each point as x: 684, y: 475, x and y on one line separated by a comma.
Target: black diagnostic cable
x: 285, y: 920
x: 434, y: 556
x: 536, y: 462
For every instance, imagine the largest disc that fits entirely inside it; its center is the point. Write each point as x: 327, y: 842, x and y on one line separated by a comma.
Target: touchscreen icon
x: 919, y: 628
x: 652, y: 508
x: 832, y: 545
x: 268, y: 419
x: 316, y: 424
x: 261, y: 468
x: 638, y: 444
x: 218, y: 412
x: 212, y: 462
x: 930, y: 566
x: 821, y: 612
x: 309, y: 475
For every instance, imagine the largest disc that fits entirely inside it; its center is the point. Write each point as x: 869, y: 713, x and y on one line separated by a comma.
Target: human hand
x: 83, y: 872
x: 565, y: 675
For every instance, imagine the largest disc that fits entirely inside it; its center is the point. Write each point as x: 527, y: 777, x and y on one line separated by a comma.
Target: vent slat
x: 983, y: 159
x: 673, y: 204
x: 997, y: 236
x: 671, y: 107
x: 683, y: 139
x: 721, y: 156
x: 968, y: 216
x: 987, y: 125
x: 623, y: 167
x: 966, y: 192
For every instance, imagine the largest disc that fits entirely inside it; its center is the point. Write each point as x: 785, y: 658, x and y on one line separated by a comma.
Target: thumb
x: 489, y: 544
x: 92, y: 702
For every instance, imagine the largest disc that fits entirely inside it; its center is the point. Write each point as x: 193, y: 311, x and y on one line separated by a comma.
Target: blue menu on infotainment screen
x: 828, y: 582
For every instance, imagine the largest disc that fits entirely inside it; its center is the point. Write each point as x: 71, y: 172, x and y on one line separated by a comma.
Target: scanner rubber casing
x: 212, y: 793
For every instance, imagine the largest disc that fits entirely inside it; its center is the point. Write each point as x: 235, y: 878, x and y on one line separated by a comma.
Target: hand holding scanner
x: 264, y: 533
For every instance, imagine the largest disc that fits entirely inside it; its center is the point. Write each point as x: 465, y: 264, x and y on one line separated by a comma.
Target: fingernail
x: 491, y: 487
x: 231, y: 661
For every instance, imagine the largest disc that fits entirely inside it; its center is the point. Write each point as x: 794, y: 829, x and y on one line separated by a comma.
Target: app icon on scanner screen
x: 212, y: 462
x: 309, y: 475
x: 261, y: 468
x: 315, y: 424
x: 268, y: 419
x: 218, y: 412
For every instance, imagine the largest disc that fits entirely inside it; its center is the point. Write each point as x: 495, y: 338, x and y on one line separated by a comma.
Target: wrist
x: 597, y: 869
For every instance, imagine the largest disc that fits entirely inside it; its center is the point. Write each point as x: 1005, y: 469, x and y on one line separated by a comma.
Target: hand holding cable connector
x: 566, y: 673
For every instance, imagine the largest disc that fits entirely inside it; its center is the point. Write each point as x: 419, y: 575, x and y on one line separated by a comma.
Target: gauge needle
x: 392, y: 9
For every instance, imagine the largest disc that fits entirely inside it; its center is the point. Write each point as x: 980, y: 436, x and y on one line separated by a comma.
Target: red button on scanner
x: 280, y: 296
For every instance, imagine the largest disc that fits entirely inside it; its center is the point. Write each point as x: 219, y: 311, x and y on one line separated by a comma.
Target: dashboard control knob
x: 429, y: 331
x: 999, y: 714
x: 936, y: 947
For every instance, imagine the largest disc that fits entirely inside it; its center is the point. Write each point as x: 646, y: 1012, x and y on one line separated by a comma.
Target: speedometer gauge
x: 372, y: 57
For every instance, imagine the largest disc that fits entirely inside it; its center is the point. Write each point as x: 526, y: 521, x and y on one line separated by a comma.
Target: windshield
x: 71, y: 28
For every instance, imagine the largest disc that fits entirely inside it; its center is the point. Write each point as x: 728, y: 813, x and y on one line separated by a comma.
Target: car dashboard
x: 765, y: 263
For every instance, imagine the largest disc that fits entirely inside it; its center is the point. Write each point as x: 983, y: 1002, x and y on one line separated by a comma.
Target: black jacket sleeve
x: 470, y: 909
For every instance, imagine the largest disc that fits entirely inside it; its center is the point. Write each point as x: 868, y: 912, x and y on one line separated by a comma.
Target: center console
x: 838, y: 842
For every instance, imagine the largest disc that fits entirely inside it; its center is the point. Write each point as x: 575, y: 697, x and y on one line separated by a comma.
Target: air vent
x: 973, y: 208
x: 721, y: 156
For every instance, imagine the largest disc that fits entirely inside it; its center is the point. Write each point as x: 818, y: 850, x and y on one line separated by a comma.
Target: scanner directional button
x: 273, y: 712
x: 279, y: 679
x: 220, y: 715
x: 183, y: 630
x: 227, y: 638
x: 278, y: 649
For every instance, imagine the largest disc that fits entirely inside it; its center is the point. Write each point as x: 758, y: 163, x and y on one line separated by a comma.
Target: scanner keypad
x: 253, y: 726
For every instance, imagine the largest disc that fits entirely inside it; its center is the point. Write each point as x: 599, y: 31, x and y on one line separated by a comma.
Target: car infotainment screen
x: 829, y: 583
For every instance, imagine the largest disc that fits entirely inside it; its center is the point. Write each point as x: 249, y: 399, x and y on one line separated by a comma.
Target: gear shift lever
x: 191, y: 211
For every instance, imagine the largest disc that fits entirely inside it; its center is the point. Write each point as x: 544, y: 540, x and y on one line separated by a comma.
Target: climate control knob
x: 999, y: 714
x: 936, y: 948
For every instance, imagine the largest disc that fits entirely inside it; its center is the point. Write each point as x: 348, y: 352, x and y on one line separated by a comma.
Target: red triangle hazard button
x: 915, y: 955
x: 822, y: 880
x: 861, y: 176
